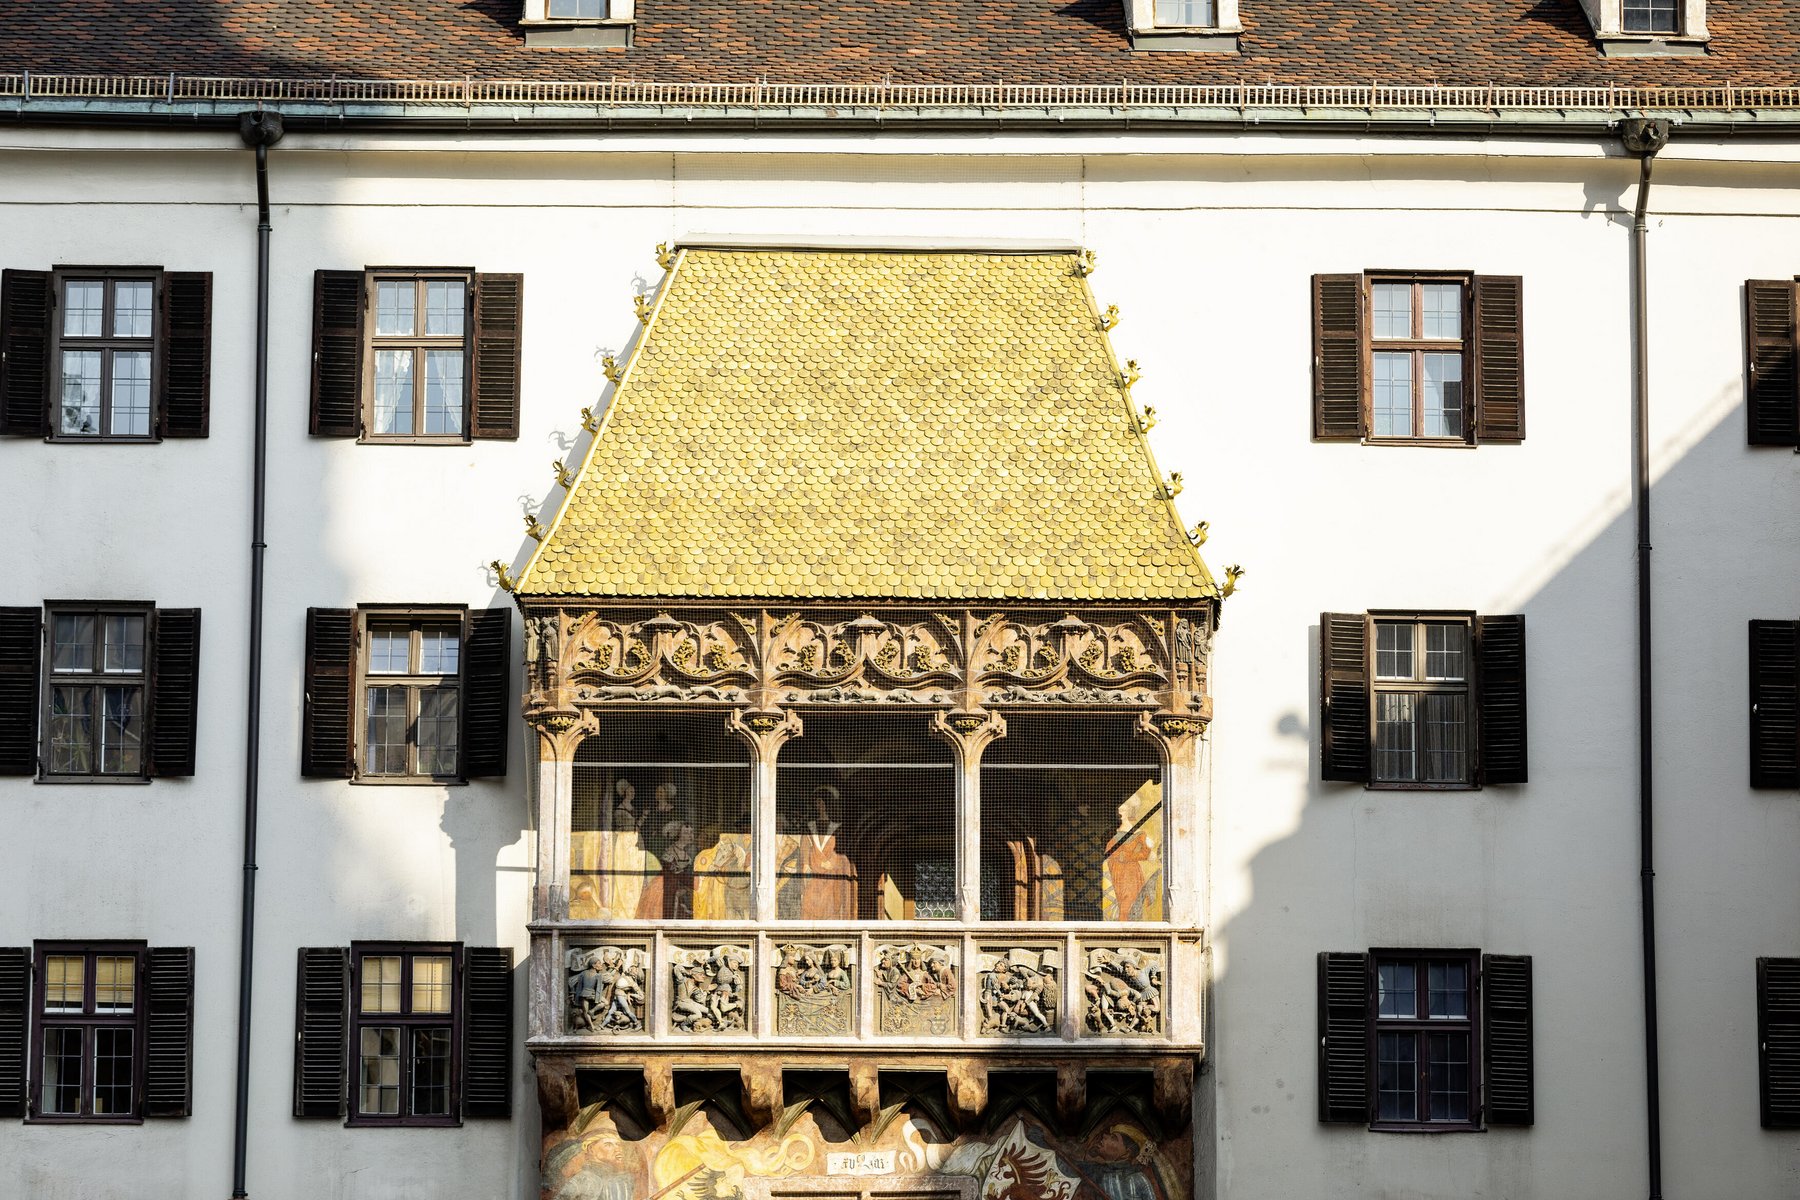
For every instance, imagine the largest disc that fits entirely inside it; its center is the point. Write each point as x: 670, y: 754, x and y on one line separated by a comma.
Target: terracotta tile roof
x: 866, y: 424
x: 948, y: 41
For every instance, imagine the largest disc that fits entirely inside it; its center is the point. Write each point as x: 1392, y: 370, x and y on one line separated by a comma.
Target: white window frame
x: 1142, y: 14
x: 1608, y: 20
x: 618, y: 12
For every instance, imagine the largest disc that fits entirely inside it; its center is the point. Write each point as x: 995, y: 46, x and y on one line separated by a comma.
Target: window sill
x: 1435, y: 443
x: 46, y: 777
x: 1422, y: 787
x: 1651, y: 45
x: 390, y: 440
x: 359, y: 1122
x: 107, y: 440
x: 39, y: 1119
x: 1196, y: 40
x: 1425, y: 1127
x: 408, y: 781
x: 578, y: 35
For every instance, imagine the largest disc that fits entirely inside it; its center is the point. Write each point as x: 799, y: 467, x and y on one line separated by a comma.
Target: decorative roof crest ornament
x: 563, y: 478
x: 610, y: 366
x: 1109, y: 320
x: 1173, y: 487
x: 507, y: 582
x: 533, y: 530
x: 589, y: 421
x: 1197, y: 534
x: 641, y: 302
x: 1085, y: 266
x: 1232, y: 574
x: 1146, y: 420
x: 665, y: 257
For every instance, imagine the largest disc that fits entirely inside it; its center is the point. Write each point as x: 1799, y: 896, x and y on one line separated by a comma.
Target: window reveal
x: 96, y: 696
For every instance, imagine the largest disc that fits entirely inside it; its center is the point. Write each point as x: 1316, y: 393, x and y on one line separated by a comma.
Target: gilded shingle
x: 838, y: 424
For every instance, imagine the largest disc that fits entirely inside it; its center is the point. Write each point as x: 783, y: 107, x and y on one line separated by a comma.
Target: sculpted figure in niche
x: 606, y: 990
x: 709, y: 992
x: 816, y: 883
x: 1123, y: 989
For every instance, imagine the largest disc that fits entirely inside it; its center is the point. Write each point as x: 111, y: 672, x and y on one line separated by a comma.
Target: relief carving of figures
x: 1123, y: 990
x: 710, y: 990
x: 543, y: 650
x: 606, y: 989
x: 814, y: 989
x: 1025, y: 654
x: 1020, y: 993
x: 629, y: 651
x: 915, y: 987
x: 1191, y: 641
x: 879, y: 655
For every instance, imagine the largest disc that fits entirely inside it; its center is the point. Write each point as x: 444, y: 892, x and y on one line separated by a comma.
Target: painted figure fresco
x: 814, y: 881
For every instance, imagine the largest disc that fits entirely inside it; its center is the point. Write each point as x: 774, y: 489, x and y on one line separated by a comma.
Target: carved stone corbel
x: 762, y: 1093
x: 659, y: 1092
x: 557, y: 1102
x: 865, y: 1093
x: 1071, y: 1095
x: 966, y: 1085
x: 561, y: 730
x: 969, y: 732
x: 1176, y: 733
x: 767, y: 732
x: 1172, y: 1092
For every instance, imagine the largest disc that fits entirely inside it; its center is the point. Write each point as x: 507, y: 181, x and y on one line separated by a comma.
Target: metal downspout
x: 1644, y: 137
x: 260, y: 130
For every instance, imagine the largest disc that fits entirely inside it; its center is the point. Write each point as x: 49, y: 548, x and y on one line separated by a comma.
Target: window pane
x: 61, y: 1093
x: 431, y: 983
x: 71, y: 642
x: 122, y: 731
x: 1394, y: 737
x: 115, y: 983
x: 380, y: 983
x: 123, y: 642
x: 1443, y: 734
x: 389, y: 651
x: 438, y: 649
x: 385, y: 744
x: 1443, y: 395
x: 1393, y: 650
x: 80, y: 392
x: 578, y: 10
x: 431, y: 1072
x: 1393, y: 310
x: 1449, y: 989
x: 1441, y: 312
x: 393, y: 391
x: 1447, y: 1060
x: 1392, y: 399
x: 1446, y: 652
x: 1184, y: 12
x: 64, y: 977
x: 72, y: 730
x: 1396, y: 1078
x: 444, y: 391
x: 112, y: 1070
x: 437, y: 731
x: 132, y: 308
x: 394, y: 303
x: 84, y: 308
x: 130, y: 393
x: 1651, y: 16
x: 445, y: 301
x: 1396, y: 990
x: 379, y: 1078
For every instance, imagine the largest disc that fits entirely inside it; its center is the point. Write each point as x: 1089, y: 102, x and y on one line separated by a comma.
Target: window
x: 105, y: 353
x: 1425, y: 1040
x: 416, y: 355
x: 577, y: 10
x: 407, y: 695
x: 92, y: 690
x: 1775, y: 704
x: 403, y: 1030
x: 1428, y: 358
x: 1652, y: 16
x: 1422, y: 700
x: 561, y: 12
x: 1178, y: 14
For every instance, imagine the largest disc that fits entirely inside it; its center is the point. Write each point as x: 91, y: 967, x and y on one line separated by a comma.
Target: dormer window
x: 1652, y: 16
x: 1183, y: 24
x: 1648, y: 27
x: 573, y: 24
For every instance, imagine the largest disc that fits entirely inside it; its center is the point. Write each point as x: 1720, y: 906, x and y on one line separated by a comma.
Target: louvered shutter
x: 1344, y: 1038
x: 1506, y: 1038
x: 15, y: 1012
x: 322, y: 1032
x: 169, y: 1033
x: 487, y: 1031
x: 325, y: 742
x: 337, y: 354
x: 1774, y: 704
x: 1499, y: 358
x: 494, y: 396
x: 1772, y: 396
x: 487, y: 701
x: 1344, y: 697
x: 186, y: 392
x: 175, y: 691
x: 1337, y: 358
x: 21, y: 648
x: 1500, y: 674
x: 25, y: 353
x: 1778, y: 1040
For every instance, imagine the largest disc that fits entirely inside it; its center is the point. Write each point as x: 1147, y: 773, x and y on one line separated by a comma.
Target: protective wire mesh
x: 660, y: 820
x: 1072, y: 821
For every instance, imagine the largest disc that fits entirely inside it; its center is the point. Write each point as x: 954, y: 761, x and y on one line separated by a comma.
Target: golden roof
x: 840, y: 424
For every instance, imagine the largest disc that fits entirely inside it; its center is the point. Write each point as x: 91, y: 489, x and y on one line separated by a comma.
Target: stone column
x: 969, y: 732
x: 766, y: 733
x: 559, y: 733
x: 1185, y: 858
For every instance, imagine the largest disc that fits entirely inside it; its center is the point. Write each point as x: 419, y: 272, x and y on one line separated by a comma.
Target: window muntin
x: 88, y: 1060
x: 1418, y: 358
x: 96, y: 693
x: 405, y: 1019
x: 1652, y: 16
x: 1424, y: 1040
x: 1184, y: 14
x: 1421, y: 702
x: 411, y: 696
x: 419, y: 353
x: 106, y: 345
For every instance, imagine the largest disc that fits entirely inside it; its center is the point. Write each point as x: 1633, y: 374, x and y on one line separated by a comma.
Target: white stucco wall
x: 1206, y: 243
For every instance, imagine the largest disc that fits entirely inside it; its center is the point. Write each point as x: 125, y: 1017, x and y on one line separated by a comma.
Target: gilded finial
x: 1085, y: 267
x: 610, y: 365
x: 507, y: 582
x: 533, y: 530
x: 1146, y: 420
x: 1233, y: 573
x: 563, y: 478
x: 1131, y: 375
x: 1197, y: 534
x: 1109, y: 319
x: 665, y: 258
x: 1172, y: 488
x: 642, y: 304
x: 589, y: 421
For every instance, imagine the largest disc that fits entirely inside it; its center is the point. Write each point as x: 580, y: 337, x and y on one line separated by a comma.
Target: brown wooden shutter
x: 326, y: 746
x: 322, y: 1032
x: 1500, y: 688
x: 1778, y: 1040
x: 1774, y: 704
x: 1506, y: 1038
x: 169, y: 1033
x: 186, y: 392
x: 494, y: 395
x: 25, y: 307
x: 1499, y: 358
x: 1344, y: 697
x: 175, y: 691
x: 1337, y: 305
x: 21, y: 649
x: 487, y: 1031
x: 337, y: 354
x: 1772, y: 394
x: 1344, y: 1038
x: 487, y: 700
x: 15, y: 1015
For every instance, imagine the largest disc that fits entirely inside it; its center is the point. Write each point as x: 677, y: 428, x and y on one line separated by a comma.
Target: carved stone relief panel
x: 915, y: 990
x: 821, y: 658
x: 815, y: 989
x: 1021, y: 991
x: 709, y: 989
x: 1122, y: 990
x: 636, y: 656
x: 607, y: 988
x: 1041, y: 658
